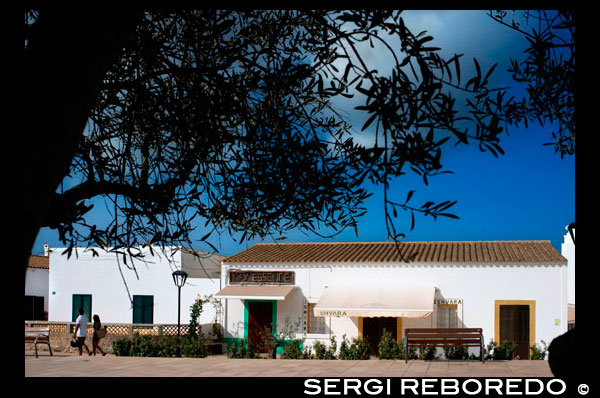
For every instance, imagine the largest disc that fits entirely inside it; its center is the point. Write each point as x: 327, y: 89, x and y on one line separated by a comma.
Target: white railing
x: 124, y: 329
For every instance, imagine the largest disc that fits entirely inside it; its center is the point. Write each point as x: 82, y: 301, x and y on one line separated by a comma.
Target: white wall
x: 567, y: 249
x: 479, y: 286
x: 37, y: 284
x: 111, y: 286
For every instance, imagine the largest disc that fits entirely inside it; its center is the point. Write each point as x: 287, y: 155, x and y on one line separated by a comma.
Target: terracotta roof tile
x: 533, y: 252
x: 39, y: 262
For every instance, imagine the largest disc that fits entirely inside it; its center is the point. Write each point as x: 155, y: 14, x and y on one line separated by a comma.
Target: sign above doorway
x: 261, y: 277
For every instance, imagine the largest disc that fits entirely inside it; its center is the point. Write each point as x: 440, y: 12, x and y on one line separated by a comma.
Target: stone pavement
x: 72, y: 365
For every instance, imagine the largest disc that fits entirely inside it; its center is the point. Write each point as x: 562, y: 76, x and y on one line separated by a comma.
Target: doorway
x: 34, y: 308
x: 259, y: 316
x: 514, y: 326
x: 372, y: 330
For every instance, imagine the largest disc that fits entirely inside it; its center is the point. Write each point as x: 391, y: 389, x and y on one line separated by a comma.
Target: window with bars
x: 446, y: 316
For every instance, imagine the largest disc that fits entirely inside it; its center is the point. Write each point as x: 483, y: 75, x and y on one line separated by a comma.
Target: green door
x: 82, y: 301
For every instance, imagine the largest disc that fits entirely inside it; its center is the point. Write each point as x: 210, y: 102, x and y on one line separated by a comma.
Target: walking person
x: 98, y: 334
x: 81, y: 331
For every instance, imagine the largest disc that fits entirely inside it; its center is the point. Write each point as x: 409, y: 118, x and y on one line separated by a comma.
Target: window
x: 143, y: 308
x: 316, y: 324
x: 82, y: 301
x: 446, y: 316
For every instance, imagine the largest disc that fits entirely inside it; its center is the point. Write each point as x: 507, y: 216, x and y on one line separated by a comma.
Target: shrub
x: 293, y: 350
x: 356, y: 349
x: 504, y: 351
x: 428, y: 353
x: 539, y: 353
x: 194, y: 347
x: 121, y: 347
x: 142, y: 346
x: 456, y: 352
x: 324, y: 352
x: 146, y: 346
x: 165, y: 348
x: 320, y: 349
x: 388, y: 347
x: 242, y: 350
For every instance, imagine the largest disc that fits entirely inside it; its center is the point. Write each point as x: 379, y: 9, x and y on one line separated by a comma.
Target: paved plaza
x: 72, y: 365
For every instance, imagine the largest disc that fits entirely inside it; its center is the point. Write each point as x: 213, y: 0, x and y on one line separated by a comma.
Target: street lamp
x: 179, y: 278
x: 570, y: 228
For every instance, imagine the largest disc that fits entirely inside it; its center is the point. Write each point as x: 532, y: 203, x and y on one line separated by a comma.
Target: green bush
x: 324, y: 352
x: 388, y: 347
x: 165, y: 348
x: 293, y: 350
x: 504, y: 351
x: 142, y: 346
x: 456, y: 352
x: 539, y: 353
x: 194, y: 347
x: 146, y: 346
x: 242, y: 349
x: 428, y: 353
x: 320, y: 349
x: 357, y: 348
x: 121, y: 347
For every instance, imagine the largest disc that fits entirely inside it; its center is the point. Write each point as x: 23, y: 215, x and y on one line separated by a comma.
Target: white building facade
x: 36, y: 288
x: 513, y: 290
x: 107, y: 284
x: 567, y: 249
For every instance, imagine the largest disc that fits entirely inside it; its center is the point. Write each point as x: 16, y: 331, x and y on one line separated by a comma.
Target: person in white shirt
x: 80, y: 332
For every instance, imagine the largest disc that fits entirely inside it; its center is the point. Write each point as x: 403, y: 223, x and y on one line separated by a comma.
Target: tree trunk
x: 66, y: 59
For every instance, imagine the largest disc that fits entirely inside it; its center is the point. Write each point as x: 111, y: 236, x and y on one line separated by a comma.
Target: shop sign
x: 262, y: 277
x: 442, y: 300
x: 337, y: 313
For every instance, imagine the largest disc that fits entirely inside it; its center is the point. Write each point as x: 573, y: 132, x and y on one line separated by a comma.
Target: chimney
x: 46, y: 249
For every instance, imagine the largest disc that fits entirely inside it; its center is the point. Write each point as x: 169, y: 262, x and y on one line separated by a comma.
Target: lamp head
x: 179, y: 277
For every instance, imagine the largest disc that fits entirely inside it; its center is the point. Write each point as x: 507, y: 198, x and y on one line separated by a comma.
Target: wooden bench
x: 453, y: 337
x: 38, y: 335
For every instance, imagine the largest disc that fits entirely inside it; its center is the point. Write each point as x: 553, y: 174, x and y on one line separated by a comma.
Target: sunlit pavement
x: 73, y: 365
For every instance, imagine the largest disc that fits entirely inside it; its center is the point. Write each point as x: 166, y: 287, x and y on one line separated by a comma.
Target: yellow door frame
x: 530, y: 303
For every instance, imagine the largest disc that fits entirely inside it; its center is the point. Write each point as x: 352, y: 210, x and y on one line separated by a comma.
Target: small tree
x: 195, y: 311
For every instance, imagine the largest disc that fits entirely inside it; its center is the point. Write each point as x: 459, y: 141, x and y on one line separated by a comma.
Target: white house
x: 567, y: 249
x: 124, y: 290
x: 514, y: 290
x: 36, y: 287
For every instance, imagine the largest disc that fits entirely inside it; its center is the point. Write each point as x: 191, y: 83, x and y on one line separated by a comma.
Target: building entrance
x: 514, y: 326
x: 260, y: 316
x: 373, y: 330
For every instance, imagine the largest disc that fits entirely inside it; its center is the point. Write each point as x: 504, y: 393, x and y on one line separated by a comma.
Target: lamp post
x: 179, y: 278
x: 570, y: 228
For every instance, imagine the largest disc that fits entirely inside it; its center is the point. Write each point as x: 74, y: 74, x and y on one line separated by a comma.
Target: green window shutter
x: 143, y: 308
x: 82, y: 301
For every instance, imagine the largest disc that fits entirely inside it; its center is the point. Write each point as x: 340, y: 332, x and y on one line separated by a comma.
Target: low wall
x: 61, y: 334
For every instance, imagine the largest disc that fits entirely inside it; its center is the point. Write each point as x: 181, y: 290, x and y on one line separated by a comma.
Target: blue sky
x: 528, y: 193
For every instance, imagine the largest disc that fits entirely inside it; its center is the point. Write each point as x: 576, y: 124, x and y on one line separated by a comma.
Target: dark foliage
x: 225, y: 121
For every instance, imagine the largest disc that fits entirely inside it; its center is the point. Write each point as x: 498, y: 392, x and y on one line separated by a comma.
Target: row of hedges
x: 388, y: 348
x: 150, y: 346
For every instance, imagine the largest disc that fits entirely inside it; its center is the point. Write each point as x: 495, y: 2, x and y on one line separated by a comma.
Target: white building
x: 514, y: 290
x: 567, y: 249
x: 36, y: 287
x: 108, y: 285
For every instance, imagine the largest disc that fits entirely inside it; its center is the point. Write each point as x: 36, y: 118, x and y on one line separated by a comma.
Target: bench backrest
x: 35, y: 332
x: 444, y: 336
